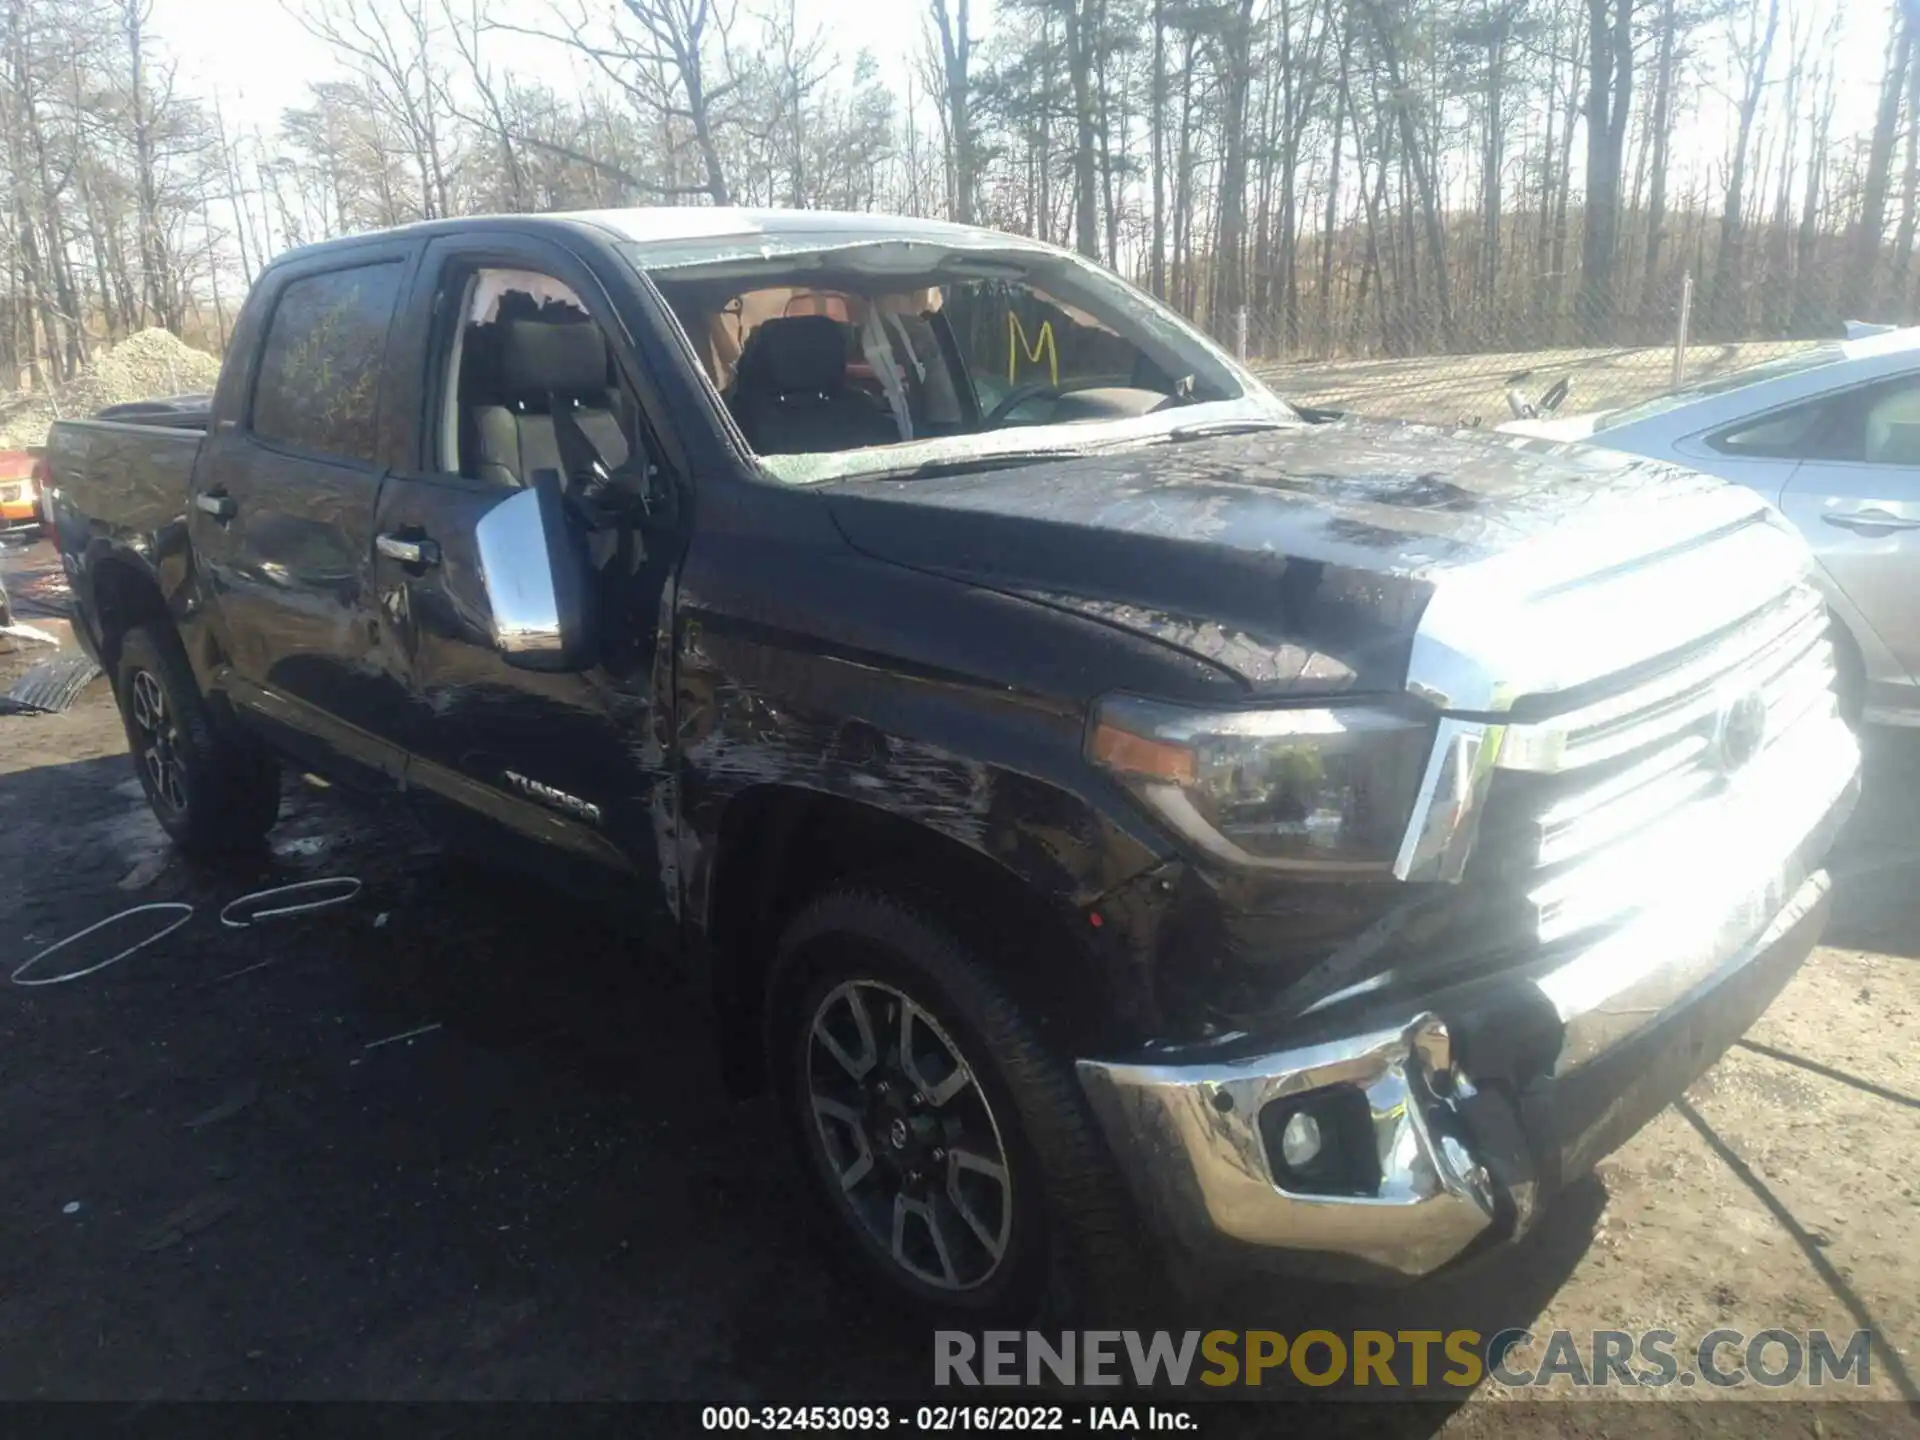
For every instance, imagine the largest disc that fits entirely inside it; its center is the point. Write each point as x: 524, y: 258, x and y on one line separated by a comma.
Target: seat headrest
x: 539, y: 356
x: 798, y: 353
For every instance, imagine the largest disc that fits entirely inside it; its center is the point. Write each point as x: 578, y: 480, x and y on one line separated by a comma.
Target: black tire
x: 213, y: 791
x: 1069, y: 1244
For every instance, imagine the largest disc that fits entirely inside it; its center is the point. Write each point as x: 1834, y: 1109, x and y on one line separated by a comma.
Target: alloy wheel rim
x: 908, y: 1136
x: 160, y: 757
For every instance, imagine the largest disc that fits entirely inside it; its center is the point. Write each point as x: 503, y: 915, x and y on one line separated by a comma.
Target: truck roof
x: 677, y: 225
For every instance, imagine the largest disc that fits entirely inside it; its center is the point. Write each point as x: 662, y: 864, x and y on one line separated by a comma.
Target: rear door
x: 1856, y: 497
x: 562, y: 769
x: 282, y: 516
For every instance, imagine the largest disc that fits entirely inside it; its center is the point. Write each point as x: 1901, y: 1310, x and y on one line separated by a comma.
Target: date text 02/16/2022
x: 941, y: 1419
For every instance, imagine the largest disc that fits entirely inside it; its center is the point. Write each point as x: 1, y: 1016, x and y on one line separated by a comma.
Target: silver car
x: 1831, y: 435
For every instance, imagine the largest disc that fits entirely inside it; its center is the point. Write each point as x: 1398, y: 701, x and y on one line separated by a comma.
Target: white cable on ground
x: 304, y: 887
x: 185, y: 911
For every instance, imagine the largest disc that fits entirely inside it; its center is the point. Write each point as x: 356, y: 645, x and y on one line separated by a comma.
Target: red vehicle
x: 20, y: 489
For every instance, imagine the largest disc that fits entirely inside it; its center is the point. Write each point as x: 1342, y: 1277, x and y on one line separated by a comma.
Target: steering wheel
x: 1017, y: 397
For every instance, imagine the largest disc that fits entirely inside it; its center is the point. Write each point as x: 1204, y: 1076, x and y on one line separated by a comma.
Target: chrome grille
x: 1615, y: 799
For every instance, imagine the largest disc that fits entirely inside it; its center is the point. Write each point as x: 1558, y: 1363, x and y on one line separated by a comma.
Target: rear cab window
x: 317, y: 385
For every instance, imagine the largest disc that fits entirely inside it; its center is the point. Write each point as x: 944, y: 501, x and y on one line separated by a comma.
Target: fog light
x: 1300, y: 1140
x: 1322, y: 1143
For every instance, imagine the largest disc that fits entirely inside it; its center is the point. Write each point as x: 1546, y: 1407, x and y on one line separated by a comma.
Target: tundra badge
x: 556, y: 799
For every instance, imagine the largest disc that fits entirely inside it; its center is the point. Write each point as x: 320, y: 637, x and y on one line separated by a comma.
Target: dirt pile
x: 145, y: 364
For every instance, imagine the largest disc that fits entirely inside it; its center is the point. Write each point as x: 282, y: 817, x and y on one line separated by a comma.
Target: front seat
x: 550, y: 406
x: 791, y: 395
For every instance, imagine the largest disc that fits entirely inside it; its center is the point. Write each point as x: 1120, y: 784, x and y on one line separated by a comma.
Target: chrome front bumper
x: 1640, y: 1014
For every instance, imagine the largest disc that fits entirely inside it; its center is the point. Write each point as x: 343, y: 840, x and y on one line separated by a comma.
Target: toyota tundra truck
x: 1101, y: 805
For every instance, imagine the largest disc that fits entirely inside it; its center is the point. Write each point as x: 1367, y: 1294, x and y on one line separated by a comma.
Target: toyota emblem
x: 1739, y: 731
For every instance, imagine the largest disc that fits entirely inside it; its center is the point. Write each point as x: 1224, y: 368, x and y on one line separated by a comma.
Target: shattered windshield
x: 843, y: 359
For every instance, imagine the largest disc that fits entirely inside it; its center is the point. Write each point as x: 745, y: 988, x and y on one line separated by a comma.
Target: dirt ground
x: 225, y: 1177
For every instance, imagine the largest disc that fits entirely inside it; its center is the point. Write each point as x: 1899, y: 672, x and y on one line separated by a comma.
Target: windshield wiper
x: 968, y: 464
x: 1212, y: 429
x: 1012, y: 459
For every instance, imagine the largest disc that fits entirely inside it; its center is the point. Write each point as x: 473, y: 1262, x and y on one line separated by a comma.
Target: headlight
x: 1326, y: 789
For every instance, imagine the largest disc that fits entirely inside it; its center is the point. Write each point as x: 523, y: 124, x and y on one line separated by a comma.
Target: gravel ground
x: 145, y: 364
x: 225, y: 1176
x: 1472, y: 389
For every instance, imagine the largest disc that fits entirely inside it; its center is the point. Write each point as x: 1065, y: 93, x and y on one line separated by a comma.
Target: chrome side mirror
x: 535, y: 579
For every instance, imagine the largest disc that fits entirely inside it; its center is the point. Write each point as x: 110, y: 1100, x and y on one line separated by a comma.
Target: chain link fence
x: 1479, y: 381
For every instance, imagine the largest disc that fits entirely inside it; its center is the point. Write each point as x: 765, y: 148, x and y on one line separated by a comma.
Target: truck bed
x: 123, y: 476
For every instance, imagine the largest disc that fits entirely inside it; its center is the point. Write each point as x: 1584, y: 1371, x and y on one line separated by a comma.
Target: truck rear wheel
x: 952, y: 1153
x: 212, y: 791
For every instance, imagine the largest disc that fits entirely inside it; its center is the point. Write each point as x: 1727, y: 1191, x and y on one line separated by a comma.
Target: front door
x: 282, y: 520
x: 524, y: 374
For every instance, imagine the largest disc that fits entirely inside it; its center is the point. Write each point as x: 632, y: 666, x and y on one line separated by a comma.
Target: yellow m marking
x: 1017, y: 346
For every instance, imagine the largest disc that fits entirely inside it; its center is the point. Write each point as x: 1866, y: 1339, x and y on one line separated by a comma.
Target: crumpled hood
x: 1300, y: 560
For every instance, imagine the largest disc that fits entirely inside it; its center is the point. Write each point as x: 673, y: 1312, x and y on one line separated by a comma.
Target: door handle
x: 420, y: 553
x: 1869, y: 522
x: 216, y: 503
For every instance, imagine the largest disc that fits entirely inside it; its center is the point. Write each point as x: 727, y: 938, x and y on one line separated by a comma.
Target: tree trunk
x: 110, y: 311
x: 1491, y: 160
x: 1858, y: 289
x: 1563, y: 187
x: 153, y: 254
x: 1902, y: 264
x: 956, y: 49
x: 1080, y: 42
x: 1229, y: 258
x: 1662, y: 141
x: 1183, y: 188
x: 1723, y: 301
x: 1609, y: 94
x: 1543, y: 263
x: 1417, y: 157
x: 58, y: 265
x: 1104, y: 122
x: 1158, y: 126
x: 1342, y: 104
x: 1819, y: 123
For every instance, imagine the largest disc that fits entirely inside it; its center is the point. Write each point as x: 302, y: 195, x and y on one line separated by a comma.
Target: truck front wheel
x: 953, y: 1154
x: 212, y: 791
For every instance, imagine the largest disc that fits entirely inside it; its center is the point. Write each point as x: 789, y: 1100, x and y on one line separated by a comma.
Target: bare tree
x: 1869, y: 231
x: 669, y: 58
x: 1609, y: 95
x: 1752, y: 52
x: 393, y: 44
x: 1366, y: 175
x: 955, y: 76
x: 467, y: 31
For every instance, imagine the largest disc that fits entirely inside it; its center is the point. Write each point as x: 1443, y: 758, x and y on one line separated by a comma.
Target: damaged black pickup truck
x: 1096, y: 801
